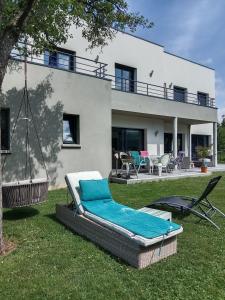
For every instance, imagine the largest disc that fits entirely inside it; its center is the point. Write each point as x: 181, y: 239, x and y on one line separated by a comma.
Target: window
x: 168, y: 141
x: 127, y: 139
x: 124, y: 80
x: 71, y: 129
x: 60, y: 58
x: 198, y: 140
x: 179, y: 94
x: 202, y: 99
x: 5, y: 129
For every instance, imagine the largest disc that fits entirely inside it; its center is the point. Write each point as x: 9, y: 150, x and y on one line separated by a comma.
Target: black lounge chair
x: 200, y: 207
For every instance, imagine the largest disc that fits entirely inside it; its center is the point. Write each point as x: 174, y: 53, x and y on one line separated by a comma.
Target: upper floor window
x: 61, y: 58
x: 71, y: 129
x: 202, y: 98
x: 124, y: 78
x: 179, y: 94
x: 5, y: 129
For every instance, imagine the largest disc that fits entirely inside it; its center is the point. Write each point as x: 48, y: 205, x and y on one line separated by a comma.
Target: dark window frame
x: 199, y: 140
x: 179, y: 94
x: 206, y: 99
x: 122, y: 83
x: 51, y: 58
x: 123, y: 133
x: 168, y: 142
x: 5, y: 132
x: 74, y: 124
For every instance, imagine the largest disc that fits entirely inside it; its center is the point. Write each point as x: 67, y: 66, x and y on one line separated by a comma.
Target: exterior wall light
x: 151, y: 73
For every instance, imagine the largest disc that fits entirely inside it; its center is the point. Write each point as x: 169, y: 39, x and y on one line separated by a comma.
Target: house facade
x: 132, y: 95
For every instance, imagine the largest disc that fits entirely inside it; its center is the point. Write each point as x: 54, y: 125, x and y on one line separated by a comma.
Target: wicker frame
x: 117, y: 244
x: 24, y: 193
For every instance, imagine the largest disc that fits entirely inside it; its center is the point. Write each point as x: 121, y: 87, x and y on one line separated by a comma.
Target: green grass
x: 52, y: 263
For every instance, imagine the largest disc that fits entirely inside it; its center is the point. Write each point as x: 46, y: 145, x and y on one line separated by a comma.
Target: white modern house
x: 132, y: 95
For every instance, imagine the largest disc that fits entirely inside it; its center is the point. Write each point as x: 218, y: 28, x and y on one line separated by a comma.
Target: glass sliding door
x: 127, y: 139
x: 196, y: 141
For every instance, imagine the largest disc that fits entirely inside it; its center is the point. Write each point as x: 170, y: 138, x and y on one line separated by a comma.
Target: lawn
x: 52, y: 263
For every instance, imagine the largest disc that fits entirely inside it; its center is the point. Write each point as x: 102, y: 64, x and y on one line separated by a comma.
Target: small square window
x: 71, y: 129
x: 179, y: 94
x: 61, y: 58
x: 124, y: 78
x: 203, y: 98
x: 5, y: 129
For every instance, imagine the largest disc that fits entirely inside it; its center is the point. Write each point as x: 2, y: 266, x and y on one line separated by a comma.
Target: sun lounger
x: 200, y: 207
x: 115, y: 227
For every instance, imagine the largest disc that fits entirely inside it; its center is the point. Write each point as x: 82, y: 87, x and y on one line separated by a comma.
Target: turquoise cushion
x: 135, y: 221
x: 94, y: 190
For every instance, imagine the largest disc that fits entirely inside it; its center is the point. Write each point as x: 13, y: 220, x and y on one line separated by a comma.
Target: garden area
x: 50, y: 262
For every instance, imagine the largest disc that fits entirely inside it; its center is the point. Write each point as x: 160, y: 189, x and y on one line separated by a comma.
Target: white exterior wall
x: 185, y: 74
x: 153, y: 143
x: 168, y: 69
x: 146, y: 56
x: 53, y: 92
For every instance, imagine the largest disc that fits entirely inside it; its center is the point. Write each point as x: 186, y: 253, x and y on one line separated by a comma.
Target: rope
x: 38, y: 139
x: 27, y: 109
x: 26, y: 101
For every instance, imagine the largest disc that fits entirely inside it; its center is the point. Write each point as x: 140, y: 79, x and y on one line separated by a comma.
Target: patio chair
x: 138, y: 238
x: 138, y: 160
x: 127, y: 163
x: 163, y: 162
x: 200, y: 207
x: 180, y: 158
x: 146, y: 156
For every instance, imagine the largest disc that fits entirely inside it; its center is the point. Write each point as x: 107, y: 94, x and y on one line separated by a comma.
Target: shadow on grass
x: 20, y: 213
x: 115, y: 258
x: 53, y: 217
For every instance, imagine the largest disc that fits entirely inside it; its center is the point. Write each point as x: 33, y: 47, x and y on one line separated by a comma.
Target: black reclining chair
x: 200, y: 207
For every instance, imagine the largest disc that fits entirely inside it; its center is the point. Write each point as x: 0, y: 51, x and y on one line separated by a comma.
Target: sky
x: 194, y: 29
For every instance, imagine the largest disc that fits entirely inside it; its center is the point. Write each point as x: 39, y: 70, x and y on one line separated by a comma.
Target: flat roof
x: 167, y: 52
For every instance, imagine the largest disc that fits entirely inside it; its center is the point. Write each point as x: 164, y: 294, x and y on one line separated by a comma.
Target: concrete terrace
x: 177, y: 174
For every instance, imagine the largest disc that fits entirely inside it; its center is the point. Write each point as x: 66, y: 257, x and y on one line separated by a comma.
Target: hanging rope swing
x: 28, y: 191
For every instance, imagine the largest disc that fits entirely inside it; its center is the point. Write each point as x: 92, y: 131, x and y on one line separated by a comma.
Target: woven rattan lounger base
x: 121, y: 246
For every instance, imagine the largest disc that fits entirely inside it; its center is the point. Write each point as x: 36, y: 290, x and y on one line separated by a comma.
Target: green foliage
x: 51, y: 262
x: 221, y: 136
x: 203, y: 152
x: 221, y: 141
x: 49, y: 21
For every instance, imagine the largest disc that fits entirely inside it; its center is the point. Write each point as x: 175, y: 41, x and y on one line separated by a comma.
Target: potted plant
x: 203, y: 153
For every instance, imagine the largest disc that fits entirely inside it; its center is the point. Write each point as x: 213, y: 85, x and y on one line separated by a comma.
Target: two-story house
x: 132, y: 95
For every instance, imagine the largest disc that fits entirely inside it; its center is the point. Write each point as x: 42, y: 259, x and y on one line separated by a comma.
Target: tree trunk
x: 9, y: 37
x: 6, y: 46
x: 2, y: 246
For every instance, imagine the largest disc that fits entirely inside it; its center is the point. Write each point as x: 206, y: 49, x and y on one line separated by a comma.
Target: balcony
x: 63, y: 60
x: 68, y: 61
x: 156, y: 91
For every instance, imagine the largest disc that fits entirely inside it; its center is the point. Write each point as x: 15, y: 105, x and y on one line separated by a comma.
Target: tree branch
x: 21, y: 18
x: 1, y: 9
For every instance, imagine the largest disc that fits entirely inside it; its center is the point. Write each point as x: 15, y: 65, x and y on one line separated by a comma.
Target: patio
x: 176, y: 174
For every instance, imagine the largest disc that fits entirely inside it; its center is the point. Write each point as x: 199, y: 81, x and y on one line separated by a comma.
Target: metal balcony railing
x: 143, y: 88
x: 63, y: 60
x: 67, y: 60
